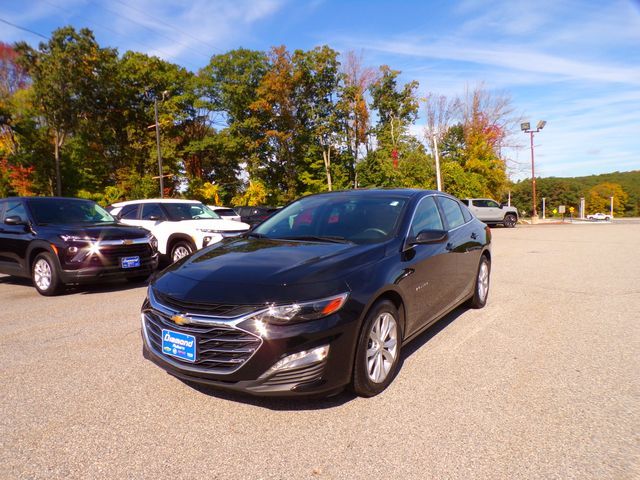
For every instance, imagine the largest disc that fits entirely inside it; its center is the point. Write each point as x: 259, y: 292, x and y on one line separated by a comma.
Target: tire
x: 45, y: 275
x: 481, y: 289
x: 374, y: 369
x: 181, y: 249
x: 510, y: 220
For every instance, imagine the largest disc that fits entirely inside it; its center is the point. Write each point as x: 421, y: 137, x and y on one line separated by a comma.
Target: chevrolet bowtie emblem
x: 180, y: 320
x: 127, y: 242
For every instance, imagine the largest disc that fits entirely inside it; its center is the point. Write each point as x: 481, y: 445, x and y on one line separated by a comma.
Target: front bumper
x: 95, y: 273
x: 268, y: 344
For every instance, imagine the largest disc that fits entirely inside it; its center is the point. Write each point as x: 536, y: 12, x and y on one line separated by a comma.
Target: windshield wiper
x: 256, y: 235
x: 319, y: 238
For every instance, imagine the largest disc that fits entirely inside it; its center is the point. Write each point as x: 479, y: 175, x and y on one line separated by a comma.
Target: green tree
x: 68, y: 73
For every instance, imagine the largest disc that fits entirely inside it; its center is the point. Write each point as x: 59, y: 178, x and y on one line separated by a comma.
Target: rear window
x: 226, y: 212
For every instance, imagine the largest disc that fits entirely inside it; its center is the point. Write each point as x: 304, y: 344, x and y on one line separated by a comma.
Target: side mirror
x: 153, y: 218
x: 430, y: 236
x: 14, y: 220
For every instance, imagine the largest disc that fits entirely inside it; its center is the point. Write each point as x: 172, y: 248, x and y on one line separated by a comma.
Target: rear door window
x: 426, y: 217
x: 452, y: 212
x: 129, y: 212
x: 150, y: 210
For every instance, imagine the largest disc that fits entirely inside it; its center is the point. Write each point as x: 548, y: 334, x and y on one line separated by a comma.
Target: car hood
x: 102, y: 232
x: 215, y: 224
x: 254, y: 271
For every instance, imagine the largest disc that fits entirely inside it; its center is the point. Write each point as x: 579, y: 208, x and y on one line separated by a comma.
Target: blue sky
x: 575, y: 64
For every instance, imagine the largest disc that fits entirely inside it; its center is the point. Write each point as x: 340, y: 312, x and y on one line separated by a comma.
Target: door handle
x: 474, y: 235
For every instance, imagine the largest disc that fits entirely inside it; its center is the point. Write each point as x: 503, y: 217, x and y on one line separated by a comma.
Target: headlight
x: 153, y: 241
x: 300, y: 312
x: 77, y: 238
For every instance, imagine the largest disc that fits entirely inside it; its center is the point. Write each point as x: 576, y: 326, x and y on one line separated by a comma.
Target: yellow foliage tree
x: 599, y: 198
x: 210, y: 193
x: 255, y: 194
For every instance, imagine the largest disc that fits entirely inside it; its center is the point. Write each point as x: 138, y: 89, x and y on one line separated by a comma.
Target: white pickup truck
x: 181, y: 226
x: 491, y: 212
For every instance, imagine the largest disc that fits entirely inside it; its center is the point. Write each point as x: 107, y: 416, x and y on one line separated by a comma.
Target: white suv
x: 181, y: 226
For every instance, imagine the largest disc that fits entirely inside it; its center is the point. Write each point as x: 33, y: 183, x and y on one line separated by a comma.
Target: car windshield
x: 349, y: 218
x: 189, y: 211
x: 63, y: 211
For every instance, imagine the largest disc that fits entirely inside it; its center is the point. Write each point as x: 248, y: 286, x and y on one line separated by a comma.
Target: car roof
x: 153, y: 200
x: 42, y: 197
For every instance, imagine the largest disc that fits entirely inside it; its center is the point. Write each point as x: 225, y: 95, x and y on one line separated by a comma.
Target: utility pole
x: 611, y: 207
x: 155, y: 108
x: 155, y: 111
x: 543, y: 208
x: 435, y: 150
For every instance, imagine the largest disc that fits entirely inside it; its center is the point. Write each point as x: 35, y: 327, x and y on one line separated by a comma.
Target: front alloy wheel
x: 45, y: 276
x: 378, y: 353
x: 181, y: 250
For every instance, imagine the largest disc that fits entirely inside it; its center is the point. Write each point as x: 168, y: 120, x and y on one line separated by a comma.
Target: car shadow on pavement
x: 91, y: 288
x: 276, y: 403
x: 417, y: 343
x: 111, y: 286
x: 321, y: 403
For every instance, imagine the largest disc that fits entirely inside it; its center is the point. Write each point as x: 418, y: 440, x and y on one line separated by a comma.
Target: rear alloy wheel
x: 180, y: 250
x: 481, y: 291
x: 378, y: 353
x: 510, y: 220
x: 45, y: 275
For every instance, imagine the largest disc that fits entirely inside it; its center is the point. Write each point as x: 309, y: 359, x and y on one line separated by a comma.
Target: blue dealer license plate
x: 179, y: 345
x: 130, y: 262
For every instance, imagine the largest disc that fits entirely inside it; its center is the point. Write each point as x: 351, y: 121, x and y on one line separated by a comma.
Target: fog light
x: 206, y: 241
x: 72, y: 250
x: 300, y: 359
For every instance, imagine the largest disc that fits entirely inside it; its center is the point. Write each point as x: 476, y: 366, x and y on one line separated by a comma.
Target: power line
x: 111, y: 30
x: 151, y: 30
x: 23, y: 28
x: 159, y: 20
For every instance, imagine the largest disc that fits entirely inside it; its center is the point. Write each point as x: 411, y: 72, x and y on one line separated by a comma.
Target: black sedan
x: 320, y: 296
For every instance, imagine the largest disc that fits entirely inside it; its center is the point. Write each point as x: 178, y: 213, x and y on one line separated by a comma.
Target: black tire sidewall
x: 183, y: 243
x: 476, y: 301
x: 55, y: 285
x: 510, y: 220
x: 361, y: 384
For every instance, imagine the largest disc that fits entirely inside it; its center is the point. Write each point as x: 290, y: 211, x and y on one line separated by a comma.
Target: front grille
x: 304, y: 374
x: 115, y: 252
x: 219, y: 348
x: 210, y: 309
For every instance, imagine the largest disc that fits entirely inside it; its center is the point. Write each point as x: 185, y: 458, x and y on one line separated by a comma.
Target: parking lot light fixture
x: 526, y: 128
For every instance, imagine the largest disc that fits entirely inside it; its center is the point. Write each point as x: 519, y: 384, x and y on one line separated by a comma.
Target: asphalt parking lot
x: 542, y: 383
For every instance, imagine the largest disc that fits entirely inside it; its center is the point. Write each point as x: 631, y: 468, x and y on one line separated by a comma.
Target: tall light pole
x: 155, y: 109
x: 526, y: 128
x: 435, y: 149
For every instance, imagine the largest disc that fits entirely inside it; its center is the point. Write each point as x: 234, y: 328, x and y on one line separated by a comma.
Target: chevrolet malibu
x: 320, y: 296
